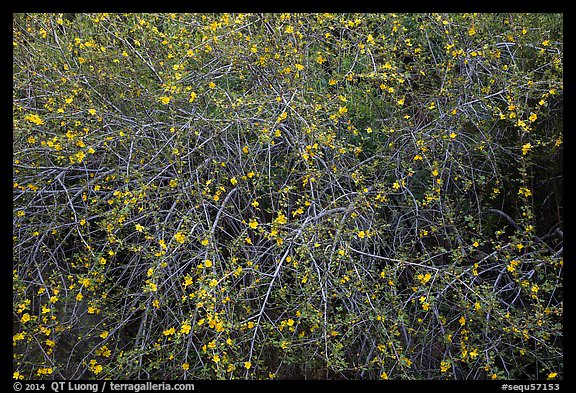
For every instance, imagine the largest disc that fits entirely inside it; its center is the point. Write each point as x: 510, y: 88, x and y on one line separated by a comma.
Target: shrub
x: 319, y: 196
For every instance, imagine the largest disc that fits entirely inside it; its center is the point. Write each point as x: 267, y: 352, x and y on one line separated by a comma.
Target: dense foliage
x: 319, y: 196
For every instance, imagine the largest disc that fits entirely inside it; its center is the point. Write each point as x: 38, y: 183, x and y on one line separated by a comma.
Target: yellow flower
x: 139, y: 227
x: 19, y: 337
x: 186, y: 366
x: 169, y: 332
x: 45, y: 371
x: 151, y: 286
x: 165, y: 100
x: 281, y: 219
x: 208, y: 263
x: 471, y: 31
x: 462, y: 320
x: 25, y: 318
x: 253, y: 224
x: 97, y: 369
x: 185, y: 328
x: 526, y: 148
x: 92, y: 111
x: 34, y: 119
x: 282, y: 116
x: 552, y: 375
x: 104, y: 351
x: 524, y: 191
x: 104, y: 334
x: 361, y: 234
x: 444, y: 366
x: 192, y: 96
x: 533, y: 117
x: 212, y: 85
x: 233, y: 181
x: 204, y: 242
x: 180, y: 237
x: 247, y: 365
x: 80, y: 156
x: 216, y: 358
x: 424, y: 278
